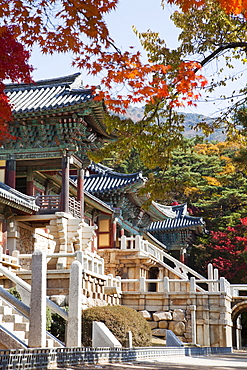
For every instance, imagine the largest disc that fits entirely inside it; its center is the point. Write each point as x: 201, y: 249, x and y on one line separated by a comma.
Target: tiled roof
x: 48, y: 94
x: 16, y: 199
x: 167, y: 210
x: 105, y: 180
x: 98, y: 168
x: 182, y: 220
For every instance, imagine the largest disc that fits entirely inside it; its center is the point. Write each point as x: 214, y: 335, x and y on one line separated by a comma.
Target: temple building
x: 52, y: 198
x: 178, y: 233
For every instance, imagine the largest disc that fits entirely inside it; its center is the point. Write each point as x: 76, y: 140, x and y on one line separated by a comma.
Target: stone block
x: 159, y: 332
x: 214, y: 315
x: 181, y: 338
x: 177, y: 327
x: 187, y: 335
x: 180, y: 302
x: 163, y: 324
x: 178, y: 315
x: 146, y: 314
x: 153, y: 324
x: 158, y: 316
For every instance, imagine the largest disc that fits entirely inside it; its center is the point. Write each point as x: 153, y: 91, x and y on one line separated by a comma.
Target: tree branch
x: 231, y: 45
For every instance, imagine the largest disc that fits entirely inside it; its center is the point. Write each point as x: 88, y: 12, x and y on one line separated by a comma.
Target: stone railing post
x: 129, y: 339
x: 138, y: 241
x: 110, y: 280
x: 192, y: 284
x: 123, y: 242
x: 216, y: 278
x: 37, y: 328
x: 101, y: 266
x: 210, y: 277
x: 223, y: 288
x: 193, y: 323
x: 119, y: 283
x: 73, y: 337
x: 142, y: 284
x: 79, y: 256
x: 16, y: 254
x: 166, y: 284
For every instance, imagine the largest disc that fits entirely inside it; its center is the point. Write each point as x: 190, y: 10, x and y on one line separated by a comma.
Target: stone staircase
x: 14, y: 329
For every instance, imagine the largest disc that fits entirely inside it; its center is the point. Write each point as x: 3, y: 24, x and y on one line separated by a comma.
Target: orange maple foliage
x: 230, y: 6
x: 58, y: 26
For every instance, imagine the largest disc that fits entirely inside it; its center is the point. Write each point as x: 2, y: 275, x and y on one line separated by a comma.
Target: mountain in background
x: 191, y: 119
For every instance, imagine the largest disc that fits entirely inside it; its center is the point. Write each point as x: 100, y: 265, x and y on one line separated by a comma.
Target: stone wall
x: 178, y: 321
x: 202, y: 318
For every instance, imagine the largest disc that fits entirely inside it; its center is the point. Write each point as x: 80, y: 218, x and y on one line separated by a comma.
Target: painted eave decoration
x: 54, y: 96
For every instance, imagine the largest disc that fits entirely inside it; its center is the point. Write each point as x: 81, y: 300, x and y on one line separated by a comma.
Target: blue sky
x: 144, y: 15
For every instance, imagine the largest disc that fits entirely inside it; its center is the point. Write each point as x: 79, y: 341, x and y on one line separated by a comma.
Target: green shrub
x: 58, y: 325
x: 48, y: 318
x: 119, y: 320
x: 15, y: 293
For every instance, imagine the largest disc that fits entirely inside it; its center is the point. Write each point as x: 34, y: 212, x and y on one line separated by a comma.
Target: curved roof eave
x: 167, y: 211
x: 54, y: 96
x: 16, y: 199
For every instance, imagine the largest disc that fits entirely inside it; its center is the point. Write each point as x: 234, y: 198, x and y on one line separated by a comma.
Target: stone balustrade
x: 11, y: 261
x: 237, y: 288
x: 90, y: 261
x: 144, y: 246
x: 167, y: 285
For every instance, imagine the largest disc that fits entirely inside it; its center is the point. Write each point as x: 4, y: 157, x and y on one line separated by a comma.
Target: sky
x: 144, y: 15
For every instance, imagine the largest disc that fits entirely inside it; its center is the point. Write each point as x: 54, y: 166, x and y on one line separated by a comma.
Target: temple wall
x: 175, y: 311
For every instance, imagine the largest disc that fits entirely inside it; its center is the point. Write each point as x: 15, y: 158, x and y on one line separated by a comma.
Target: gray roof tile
x: 16, y: 199
x: 48, y: 94
x: 181, y: 220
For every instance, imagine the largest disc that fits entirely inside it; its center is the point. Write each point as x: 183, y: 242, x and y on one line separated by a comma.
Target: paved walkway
x: 234, y: 361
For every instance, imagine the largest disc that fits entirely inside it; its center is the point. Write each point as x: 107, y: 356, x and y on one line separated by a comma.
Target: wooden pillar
x: 114, y: 233
x: 80, y: 189
x: 10, y: 173
x: 65, y: 184
x: 30, y: 185
x: 182, y: 255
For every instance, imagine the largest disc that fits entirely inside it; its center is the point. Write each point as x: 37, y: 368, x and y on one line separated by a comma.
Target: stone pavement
x: 234, y: 361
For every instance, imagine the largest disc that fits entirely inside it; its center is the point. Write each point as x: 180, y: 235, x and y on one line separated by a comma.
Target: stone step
x: 12, y: 318
x: 20, y: 335
x: 8, y: 325
x: 21, y: 326
x: 5, y: 310
x: 18, y: 324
